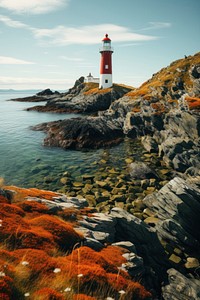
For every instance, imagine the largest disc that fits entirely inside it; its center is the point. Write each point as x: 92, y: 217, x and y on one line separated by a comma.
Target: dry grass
x: 93, y: 88
x: 96, y: 90
x: 39, y: 258
x: 166, y: 77
x: 47, y: 294
x: 21, y: 193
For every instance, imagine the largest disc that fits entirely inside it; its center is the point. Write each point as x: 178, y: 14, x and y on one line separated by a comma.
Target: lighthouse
x: 106, y: 64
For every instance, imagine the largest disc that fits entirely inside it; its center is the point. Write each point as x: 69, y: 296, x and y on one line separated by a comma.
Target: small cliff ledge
x: 84, y: 98
x: 83, y: 132
x: 80, y: 133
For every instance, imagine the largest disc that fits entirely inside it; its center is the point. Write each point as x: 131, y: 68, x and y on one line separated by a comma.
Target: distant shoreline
x: 34, y: 91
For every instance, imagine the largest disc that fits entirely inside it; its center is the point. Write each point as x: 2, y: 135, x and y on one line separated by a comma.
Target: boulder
x: 148, y: 246
x: 134, y: 265
x: 60, y: 202
x: 181, y: 287
x: 149, y: 143
x: 127, y: 245
x: 100, y: 227
x: 177, y: 205
x: 179, y: 140
x: 139, y: 170
x: 46, y: 92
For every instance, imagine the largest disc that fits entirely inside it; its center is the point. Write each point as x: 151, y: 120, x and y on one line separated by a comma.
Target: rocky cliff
x: 83, y: 98
x: 163, y: 109
x: 152, y: 216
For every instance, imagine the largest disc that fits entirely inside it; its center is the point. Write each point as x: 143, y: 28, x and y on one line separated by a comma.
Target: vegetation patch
x: 41, y: 257
x: 193, y: 103
x: 165, y: 83
x: 63, y: 233
x: 21, y: 193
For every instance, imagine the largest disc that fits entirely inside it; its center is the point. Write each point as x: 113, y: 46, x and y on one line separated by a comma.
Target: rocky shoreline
x: 154, y: 212
x: 163, y: 253
x: 166, y: 115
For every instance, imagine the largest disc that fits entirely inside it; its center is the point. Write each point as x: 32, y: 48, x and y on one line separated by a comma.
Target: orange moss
x: 117, y: 281
x: 90, y: 85
x: 97, y: 91
x: 136, y: 110
x: 136, y: 291
x: 87, y: 256
x: 114, y: 255
x: 193, y: 102
x: 33, y: 206
x: 178, y: 70
x: 4, y: 296
x: 47, y: 294
x: 6, y: 256
x: 6, y: 286
x: 12, y: 226
x: 158, y: 107
x: 63, y: 233
x: 129, y: 87
x: 83, y: 297
x: 6, y: 268
x: 10, y: 209
x: 69, y: 214
x: 133, y: 290
x: 36, y: 238
x: 39, y: 262
x: 93, y: 88
x: 17, y: 233
x: 4, y: 199
x: 137, y: 93
x: 21, y: 193
x: 92, y: 276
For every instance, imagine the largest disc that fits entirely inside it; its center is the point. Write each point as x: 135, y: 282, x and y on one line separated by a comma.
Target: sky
x: 51, y: 43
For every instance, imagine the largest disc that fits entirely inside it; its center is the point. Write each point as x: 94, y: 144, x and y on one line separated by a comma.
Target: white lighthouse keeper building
x: 106, y: 64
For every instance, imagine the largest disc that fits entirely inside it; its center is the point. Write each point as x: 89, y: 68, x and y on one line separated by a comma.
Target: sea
x: 25, y: 162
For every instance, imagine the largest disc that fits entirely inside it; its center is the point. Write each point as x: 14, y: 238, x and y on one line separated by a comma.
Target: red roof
x: 106, y: 38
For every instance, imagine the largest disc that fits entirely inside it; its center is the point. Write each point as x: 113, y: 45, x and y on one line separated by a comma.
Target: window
x: 106, y: 80
x: 106, y: 66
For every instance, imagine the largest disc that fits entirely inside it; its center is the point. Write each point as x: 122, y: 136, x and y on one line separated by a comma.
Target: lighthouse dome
x: 106, y: 38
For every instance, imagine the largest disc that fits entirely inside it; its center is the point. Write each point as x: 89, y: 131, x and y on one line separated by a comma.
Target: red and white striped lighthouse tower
x: 106, y: 64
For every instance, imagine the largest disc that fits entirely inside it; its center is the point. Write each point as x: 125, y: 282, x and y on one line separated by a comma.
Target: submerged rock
x: 139, y: 170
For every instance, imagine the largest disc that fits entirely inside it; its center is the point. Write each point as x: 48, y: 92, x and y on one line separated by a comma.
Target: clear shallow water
x: 25, y: 162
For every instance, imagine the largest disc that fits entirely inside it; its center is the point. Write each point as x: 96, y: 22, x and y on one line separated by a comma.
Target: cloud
x: 34, y: 82
x: 78, y: 59
x: 129, y: 44
x: 85, y: 35
x: 6, y: 60
x: 33, y: 6
x: 12, y: 23
x: 157, y: 25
